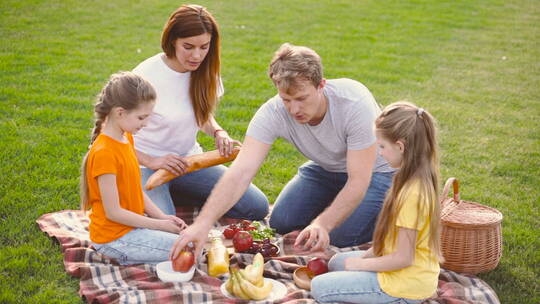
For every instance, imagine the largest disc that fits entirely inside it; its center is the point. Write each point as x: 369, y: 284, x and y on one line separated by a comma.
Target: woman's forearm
x: 211, y: 126
x: 143, y: 158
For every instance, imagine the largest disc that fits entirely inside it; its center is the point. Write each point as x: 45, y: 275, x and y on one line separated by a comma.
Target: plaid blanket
x: 102, y: 280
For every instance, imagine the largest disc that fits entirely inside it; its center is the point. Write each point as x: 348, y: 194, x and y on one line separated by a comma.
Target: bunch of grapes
x: 264, y: 247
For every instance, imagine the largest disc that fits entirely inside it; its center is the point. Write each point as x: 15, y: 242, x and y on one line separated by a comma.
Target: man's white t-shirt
x: 348, y: 124
x: 172, y: 127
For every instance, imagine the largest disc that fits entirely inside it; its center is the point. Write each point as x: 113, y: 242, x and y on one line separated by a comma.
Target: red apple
x: 229, y: 233
x: 242, y: 241
x: 317, y: 266
x: 183, y: 261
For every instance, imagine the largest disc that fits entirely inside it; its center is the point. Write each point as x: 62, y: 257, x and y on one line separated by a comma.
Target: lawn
x: 473, y: 64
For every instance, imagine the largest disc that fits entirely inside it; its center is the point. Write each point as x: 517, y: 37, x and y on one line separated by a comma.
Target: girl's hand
x: 171, y: 162
x: 169, y: 225
x: 225, y: 143
x: 178, y: 221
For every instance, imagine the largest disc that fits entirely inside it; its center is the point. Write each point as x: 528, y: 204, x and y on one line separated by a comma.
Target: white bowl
x: 167, y: 274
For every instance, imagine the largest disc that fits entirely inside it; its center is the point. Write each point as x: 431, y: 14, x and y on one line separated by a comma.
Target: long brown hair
x: 188, y: 21
x: 126, y: 90
x: 416, y: 129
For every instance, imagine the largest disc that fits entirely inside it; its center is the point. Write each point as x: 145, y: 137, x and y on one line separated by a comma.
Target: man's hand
x: 171, y: 162
x: 194, y: 235
x: 314, y: 238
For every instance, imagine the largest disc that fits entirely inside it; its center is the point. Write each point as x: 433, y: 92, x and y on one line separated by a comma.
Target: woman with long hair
x: 187, y: 80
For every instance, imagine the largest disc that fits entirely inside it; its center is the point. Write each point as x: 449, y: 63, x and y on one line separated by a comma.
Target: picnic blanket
x: 102, y: 280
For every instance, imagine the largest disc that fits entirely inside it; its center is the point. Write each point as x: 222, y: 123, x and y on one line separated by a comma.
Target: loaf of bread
x: 195, y: 162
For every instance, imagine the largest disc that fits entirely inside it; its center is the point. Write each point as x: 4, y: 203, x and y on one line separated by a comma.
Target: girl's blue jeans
x: 313, y: 189
x: 139, y: 246
x: 339, y: 285
x: 194, y: 188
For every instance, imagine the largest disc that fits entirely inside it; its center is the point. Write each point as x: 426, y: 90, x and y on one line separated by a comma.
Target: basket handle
x: 448, y: 206
x: 455, y: 183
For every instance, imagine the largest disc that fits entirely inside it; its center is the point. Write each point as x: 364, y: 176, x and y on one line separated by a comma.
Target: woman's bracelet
x: 218, y: 130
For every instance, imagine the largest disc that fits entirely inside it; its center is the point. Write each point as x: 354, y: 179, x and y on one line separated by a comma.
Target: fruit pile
x: 251, y: 237
x: 249, y: 283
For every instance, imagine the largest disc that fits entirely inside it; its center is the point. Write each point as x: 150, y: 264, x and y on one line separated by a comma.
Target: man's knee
x: 280, y: 223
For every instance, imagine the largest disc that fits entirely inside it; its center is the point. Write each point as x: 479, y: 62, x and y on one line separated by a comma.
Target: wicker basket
x: 471, y: 239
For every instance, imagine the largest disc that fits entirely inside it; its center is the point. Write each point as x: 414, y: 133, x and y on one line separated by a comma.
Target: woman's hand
x: 171, y: 162
x: 225, y: 143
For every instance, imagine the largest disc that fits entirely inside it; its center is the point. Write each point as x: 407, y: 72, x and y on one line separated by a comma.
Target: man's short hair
x: 292, y: 63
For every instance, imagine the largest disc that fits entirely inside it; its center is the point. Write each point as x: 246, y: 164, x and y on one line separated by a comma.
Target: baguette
x: 195, y: 162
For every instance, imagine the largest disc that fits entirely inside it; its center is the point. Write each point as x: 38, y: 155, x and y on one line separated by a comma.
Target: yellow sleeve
x: 411, y: 214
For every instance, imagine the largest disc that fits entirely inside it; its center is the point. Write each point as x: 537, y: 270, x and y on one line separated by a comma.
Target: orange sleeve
x: 103, y: 163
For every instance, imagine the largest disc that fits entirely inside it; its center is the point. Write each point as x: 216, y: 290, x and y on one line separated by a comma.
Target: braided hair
x: 126, y: 90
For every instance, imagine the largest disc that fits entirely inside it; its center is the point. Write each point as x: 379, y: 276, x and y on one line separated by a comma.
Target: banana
x: 236, y: 289
x: 229, y: 285
x: 259, y: 281
x: 254, y: 272
x: 252, y: 291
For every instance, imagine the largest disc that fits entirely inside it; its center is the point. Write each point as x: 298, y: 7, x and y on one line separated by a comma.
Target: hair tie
x: 420, y: 111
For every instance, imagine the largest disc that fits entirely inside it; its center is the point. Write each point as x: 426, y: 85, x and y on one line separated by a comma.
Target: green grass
x: 473, y: 64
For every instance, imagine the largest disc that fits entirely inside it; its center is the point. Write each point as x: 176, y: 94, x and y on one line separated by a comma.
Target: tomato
x: 242, y: 241
x: 245, y: 223
x: 229, y: 233
x: 183, y: 261
x: 317, y: 266
x: 249, y: 228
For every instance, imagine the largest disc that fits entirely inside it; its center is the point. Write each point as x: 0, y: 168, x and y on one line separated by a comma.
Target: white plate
x: 278, y: 291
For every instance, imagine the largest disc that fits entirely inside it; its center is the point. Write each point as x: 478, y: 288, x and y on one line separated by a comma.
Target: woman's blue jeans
x: 313, y: 189
x: 194, y: 188
x: 139, y: 246
x: 339, y: 285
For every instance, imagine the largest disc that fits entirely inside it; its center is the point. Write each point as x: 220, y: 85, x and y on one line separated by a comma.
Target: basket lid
x: 456, y: 211
x: 470, y: 213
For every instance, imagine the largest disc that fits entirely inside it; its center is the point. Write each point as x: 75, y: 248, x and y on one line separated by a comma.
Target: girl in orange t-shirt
x: 111, y: 178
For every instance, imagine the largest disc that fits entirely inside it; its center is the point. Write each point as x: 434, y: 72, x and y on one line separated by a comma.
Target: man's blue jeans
x: 313, y: 189
x: 194, y: 188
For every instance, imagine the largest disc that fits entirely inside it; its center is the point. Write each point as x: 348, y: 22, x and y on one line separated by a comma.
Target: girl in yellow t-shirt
x: 111, y: 178
x: 403, y: 264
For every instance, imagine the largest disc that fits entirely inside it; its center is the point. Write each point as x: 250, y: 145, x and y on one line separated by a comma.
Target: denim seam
x: 134, y: 244
x: 342, y: 292
x: 122, y: 257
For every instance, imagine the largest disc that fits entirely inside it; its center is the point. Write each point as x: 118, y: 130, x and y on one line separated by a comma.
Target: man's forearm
x: 343, y: 205
x: 225, y: 194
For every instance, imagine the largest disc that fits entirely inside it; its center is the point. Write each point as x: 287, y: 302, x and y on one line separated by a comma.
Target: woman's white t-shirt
x: 172, y: 127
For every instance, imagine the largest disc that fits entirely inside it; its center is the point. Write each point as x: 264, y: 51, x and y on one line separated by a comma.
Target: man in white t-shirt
x: 336, y: 196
